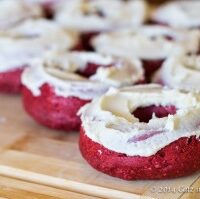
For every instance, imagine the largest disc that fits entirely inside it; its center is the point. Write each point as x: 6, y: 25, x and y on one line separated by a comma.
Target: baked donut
x: 179, y: 14
x: 180, y: 72
x: 13, y: 12
x: 151, y: 44
x: 29, y: 40
x: 142, y: 132
x: 57, y: 86
x: 91, y: 17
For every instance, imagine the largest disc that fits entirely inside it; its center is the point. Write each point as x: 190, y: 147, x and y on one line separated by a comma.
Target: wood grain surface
x: 41, y: 162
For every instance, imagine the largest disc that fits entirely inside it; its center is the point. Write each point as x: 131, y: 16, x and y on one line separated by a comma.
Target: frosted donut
x: 91, y: 17
x: 13, y: 12
x: 142, y: 132
x: 180, y: 14
x: 57, y: 86
x: 151, y: 44
x: 181, y: 72
x: 25, y: 42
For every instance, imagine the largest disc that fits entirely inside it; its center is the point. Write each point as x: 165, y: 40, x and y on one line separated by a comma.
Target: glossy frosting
x: 109, y: 120
x: 59, y: 70
x: 99, y: 15
x: 148, y: 42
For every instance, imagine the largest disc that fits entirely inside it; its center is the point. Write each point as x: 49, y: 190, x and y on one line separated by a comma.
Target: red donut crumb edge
x: 180, y: 158
x: 51, y: 110
x: 10, y: 81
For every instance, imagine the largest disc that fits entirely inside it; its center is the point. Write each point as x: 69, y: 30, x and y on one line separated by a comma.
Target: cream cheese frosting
x: 148, y: 42
x: 31, y: 39
x: 13, y: 12
x: 109, y: 120
x: 181, y: 72
x: 181, y: 14
x: 100, y: 15
x: 59, y: 69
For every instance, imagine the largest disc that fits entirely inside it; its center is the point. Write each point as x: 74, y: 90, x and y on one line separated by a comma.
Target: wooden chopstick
x: 65, y: 184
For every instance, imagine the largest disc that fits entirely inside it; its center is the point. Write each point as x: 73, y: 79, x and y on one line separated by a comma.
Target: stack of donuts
x: 124, y: 73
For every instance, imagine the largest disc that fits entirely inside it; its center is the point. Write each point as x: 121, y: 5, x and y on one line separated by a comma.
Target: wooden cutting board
x: 36, y: 162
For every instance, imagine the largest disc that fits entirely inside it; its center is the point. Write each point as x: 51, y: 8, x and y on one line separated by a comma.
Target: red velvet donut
x: 53, y: 93
x: 177, y: 159
x: 90, y: 18
x: 109, y: 151
x: 152, y: 44
x: 27, y: 41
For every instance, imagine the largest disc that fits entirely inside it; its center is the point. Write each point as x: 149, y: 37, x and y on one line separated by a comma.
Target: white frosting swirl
x: 181, y: 72
x: 181, y: 14
x: 59, y: 70
x: 100, y: 15
x: 109, y: 120
x: 147, y: 42
x: 13, y: 12
x: 31, y: 39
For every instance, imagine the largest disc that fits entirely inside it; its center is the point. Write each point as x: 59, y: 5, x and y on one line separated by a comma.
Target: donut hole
x: 90, y: 69
x: 144, y: 114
